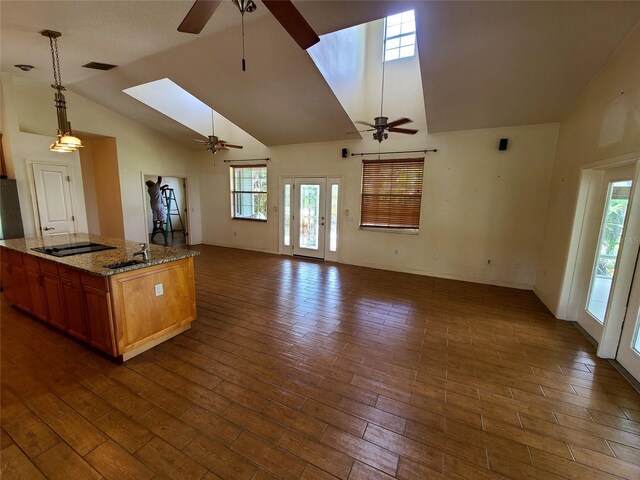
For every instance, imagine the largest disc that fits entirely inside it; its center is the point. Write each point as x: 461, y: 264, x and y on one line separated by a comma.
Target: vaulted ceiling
x: 483, y: 64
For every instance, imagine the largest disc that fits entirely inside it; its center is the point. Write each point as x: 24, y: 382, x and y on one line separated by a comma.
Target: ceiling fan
x: 215, y: 144
x: 381, y: 127
x: 284, y: 11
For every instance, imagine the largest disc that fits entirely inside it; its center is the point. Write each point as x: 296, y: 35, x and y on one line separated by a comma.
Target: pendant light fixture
x: 65, y: 141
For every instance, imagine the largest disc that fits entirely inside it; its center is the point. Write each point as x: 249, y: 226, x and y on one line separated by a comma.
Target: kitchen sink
x: 126, y: 263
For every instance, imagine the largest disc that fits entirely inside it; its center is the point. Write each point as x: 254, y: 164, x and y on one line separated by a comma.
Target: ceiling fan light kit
x: 65, y: 140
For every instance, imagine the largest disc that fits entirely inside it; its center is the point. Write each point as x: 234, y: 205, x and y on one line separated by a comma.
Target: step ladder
x: 171, y: 205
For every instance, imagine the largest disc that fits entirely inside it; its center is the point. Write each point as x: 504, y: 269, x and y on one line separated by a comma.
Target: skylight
x: 400, y: 36
x: 181, y: 106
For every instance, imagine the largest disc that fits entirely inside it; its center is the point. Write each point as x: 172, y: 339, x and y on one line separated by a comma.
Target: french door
x: 309, y: 217
x: 615, y: 202
x: 629, y: 348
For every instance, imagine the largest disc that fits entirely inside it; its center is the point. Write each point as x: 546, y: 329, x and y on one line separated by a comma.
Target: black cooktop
x: 69, y: 249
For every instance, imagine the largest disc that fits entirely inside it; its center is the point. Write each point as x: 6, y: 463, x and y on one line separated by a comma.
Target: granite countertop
x: 94, y: 262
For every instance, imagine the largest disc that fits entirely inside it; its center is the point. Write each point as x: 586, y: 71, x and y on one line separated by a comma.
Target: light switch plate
x: 159, y: 289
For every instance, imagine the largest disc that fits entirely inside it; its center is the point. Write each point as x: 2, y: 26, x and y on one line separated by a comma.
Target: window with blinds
x: 391, y: 193
x: 249, y: 192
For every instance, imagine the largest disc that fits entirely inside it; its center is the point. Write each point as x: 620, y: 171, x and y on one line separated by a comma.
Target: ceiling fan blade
x: 199, y: 141
x: 400, y: 121
x: 198, y: 16
x: 293, y: 22
x: 233, y: 146
x: 365, y: 123
x: 408, y: 131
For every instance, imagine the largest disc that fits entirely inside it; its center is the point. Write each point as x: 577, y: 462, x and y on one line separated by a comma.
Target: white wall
x: 478, y: 203
x: 604, y: 125
x: 138, y: 148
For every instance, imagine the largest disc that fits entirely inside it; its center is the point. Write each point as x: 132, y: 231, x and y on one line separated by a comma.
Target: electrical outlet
x: 435, y: 256
x: 516, y: 266
x: 159, y: 289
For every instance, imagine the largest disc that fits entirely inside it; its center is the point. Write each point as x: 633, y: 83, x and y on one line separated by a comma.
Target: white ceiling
x: 484, y: 64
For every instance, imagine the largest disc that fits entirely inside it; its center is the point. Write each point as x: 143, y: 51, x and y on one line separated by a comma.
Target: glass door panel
x: 611, y: 231
x: 629, y: 348
x: 309, y: 217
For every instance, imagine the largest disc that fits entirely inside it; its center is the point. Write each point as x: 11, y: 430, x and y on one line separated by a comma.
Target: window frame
x: 399, y: 37
x: 387, y: 198
x: 234, y: 192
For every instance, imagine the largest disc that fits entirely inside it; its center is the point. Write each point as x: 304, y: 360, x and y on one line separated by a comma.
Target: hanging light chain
x: 55, y: 58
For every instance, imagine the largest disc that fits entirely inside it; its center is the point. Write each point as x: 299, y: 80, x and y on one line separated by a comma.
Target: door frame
x: 76, y: 189
x: 145, y: 200
x: 586, y: 229
x: 626, y: 355
x: 329, y: 256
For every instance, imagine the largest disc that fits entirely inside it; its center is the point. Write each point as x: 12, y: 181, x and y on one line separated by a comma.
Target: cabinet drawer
x: 95, y: 281
x: 47, y: 266
x: 30, y: 261
x: 15, y: 258
x: 69, y: 273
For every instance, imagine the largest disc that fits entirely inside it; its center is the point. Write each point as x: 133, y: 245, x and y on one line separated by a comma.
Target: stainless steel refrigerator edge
x: 10, y: 216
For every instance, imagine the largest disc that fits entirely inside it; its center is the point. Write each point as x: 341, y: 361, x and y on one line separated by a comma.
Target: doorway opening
x: 173, y: 196
x: 602, y: 282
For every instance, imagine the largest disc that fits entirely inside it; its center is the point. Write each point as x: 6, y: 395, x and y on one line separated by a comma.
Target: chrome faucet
x: 144, y: 252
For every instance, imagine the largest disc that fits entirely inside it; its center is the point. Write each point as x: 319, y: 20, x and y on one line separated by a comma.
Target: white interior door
x: 614, y: 207
x: 629, y: 348
x: 53, y: 194
x: 309, y: 217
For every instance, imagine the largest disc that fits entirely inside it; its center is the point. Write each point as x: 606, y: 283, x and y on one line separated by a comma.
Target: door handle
x: 48, y: 228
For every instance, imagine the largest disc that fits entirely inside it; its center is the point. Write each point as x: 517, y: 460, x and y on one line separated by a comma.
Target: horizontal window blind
x: 392, y: 193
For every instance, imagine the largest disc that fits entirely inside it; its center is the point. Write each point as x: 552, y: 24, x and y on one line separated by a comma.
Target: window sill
x: 263, y: 220
x: 402, y: 231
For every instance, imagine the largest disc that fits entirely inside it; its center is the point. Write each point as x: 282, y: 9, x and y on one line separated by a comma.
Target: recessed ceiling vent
x: 99, y: 66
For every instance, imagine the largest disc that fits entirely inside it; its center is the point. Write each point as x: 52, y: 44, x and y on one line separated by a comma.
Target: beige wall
x: 138, y: 148
x: 478, y: 203
x: 107, y: 185
x: 89, y: 184
x: 604, y: 125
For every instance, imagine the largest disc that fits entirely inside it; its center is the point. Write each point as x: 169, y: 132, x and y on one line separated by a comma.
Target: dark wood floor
x: 296, y: 369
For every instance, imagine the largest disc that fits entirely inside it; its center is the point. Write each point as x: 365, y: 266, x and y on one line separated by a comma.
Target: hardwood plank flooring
x: 297, y: 369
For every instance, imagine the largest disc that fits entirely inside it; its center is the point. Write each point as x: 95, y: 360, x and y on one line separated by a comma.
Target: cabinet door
x: 74, y: 309
x: 54, y: 300
x: 17, y: 287
x: 36, y: 293
x: 8, y: 288
x: 98, y: 305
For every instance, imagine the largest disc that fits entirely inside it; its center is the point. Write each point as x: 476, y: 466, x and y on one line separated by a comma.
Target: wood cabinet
x: 14, y: 281
x: 98, y: 319
x: 122, y: 314
x: 76, y: 324
x: 54, y: 300
x: 35, y: 289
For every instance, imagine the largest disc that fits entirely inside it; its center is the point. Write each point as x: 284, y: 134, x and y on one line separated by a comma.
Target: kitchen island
x: 90, y: 287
